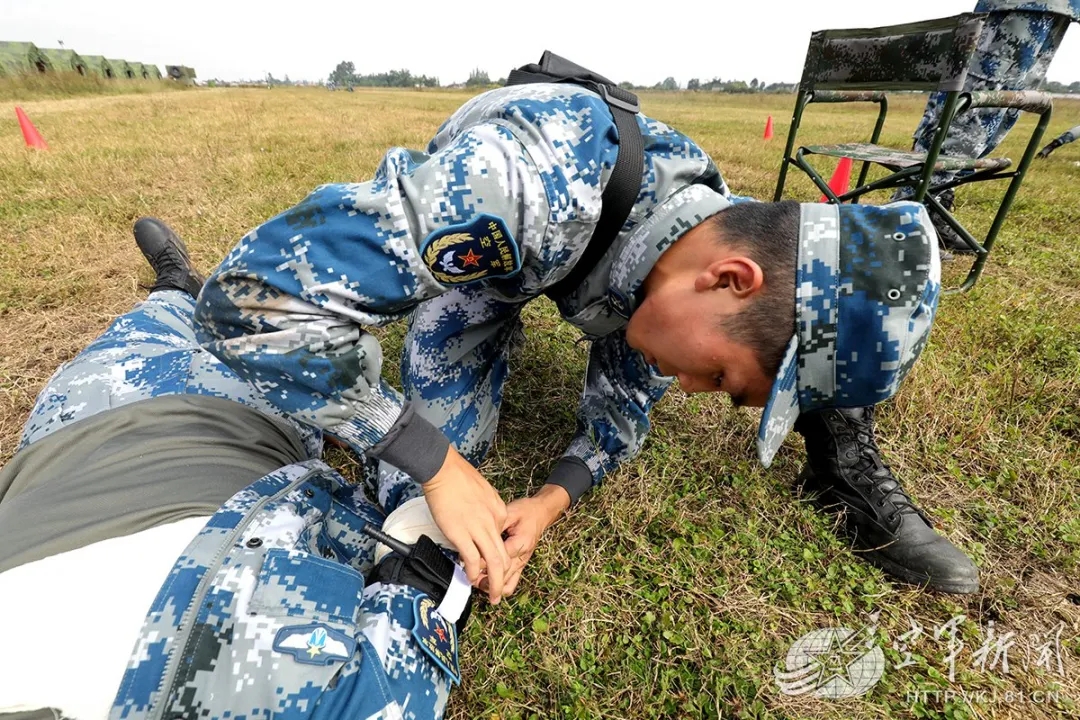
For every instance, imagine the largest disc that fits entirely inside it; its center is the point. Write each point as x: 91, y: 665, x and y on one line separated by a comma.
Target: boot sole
x: 957, y: 587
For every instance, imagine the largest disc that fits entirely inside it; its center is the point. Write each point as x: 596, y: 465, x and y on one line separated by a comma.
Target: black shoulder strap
x: 624, y: 185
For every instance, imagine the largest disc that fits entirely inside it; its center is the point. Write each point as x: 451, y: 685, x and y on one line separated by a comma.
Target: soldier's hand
x: 526, y: 521
x: 472, y: 516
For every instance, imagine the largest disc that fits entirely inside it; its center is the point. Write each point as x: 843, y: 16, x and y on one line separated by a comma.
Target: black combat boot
x: 165, y: 252
x: 947, y: 237
x: 845, y: 473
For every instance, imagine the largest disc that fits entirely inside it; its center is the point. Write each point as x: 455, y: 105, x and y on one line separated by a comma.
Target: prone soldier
x: 174, y: 546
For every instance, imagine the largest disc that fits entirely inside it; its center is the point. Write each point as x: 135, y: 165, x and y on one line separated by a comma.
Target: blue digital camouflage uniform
x: 1015, y: 49
x: 1065, y: 138
x: 458, y: 238
x: 148, y: 352
x: 265, y: 614
x: 497, y: 211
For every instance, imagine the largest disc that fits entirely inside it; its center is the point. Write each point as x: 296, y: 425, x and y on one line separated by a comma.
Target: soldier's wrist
x: 555, y: 501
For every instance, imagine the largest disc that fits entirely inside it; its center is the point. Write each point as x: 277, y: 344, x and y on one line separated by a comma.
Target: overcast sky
x: 239, y: 39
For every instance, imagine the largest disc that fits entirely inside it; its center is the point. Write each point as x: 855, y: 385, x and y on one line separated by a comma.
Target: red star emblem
x: 470, y: 259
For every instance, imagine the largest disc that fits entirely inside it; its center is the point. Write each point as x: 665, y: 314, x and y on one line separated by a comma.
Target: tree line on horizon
x: 345, y: 75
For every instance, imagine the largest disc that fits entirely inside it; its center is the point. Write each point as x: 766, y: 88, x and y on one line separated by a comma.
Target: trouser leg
x: 453, y: 367
x: 148, y: 352
x: 1064, y: 139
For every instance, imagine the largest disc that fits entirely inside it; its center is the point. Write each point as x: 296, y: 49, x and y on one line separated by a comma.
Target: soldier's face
x: 681, y: 337
x: 677, y: 327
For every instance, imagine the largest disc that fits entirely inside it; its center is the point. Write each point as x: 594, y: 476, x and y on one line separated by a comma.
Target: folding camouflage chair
x: 861, y: 65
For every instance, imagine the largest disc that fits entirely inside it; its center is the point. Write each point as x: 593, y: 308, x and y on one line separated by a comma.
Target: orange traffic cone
x: 30, y: 134
x: 768, y: 128
x: 841, y: 179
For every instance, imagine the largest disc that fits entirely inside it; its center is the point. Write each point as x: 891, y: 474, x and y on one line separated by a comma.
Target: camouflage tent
x: 99, y: 65
x: 22, y: 57
x: 138, y: 70
x: 65, y: 60
x: 181, y: 73
x: 154, y: 72
x: 121, y: 68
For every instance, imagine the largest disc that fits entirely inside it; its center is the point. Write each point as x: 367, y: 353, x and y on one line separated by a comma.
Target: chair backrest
x: 928, y: 55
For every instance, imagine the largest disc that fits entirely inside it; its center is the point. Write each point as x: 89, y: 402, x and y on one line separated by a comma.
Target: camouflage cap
x: 867, y: 284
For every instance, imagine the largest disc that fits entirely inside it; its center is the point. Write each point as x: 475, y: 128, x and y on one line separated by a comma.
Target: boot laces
x: 169, y: 261
x: 171, y: 266
x: 872, y: 471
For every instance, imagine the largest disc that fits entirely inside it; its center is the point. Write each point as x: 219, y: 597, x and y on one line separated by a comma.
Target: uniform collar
x: 665, y: 224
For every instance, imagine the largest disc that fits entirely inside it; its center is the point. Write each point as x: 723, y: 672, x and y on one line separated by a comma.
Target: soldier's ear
x: 738, y: 274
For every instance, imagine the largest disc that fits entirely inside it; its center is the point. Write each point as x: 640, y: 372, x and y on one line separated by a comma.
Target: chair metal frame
x: 860, y: 65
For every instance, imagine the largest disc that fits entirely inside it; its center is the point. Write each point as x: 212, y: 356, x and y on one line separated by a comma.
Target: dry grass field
x: 676, y: 589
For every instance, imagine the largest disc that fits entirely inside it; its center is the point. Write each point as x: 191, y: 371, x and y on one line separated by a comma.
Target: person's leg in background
x: 1013, y: 53
x: 1065, y: 138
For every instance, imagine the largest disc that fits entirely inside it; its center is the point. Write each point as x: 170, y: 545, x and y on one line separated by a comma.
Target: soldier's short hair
x: 768, y: 233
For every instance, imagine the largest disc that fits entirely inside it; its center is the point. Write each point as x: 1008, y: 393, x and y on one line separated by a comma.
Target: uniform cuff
x: 572, y: 475
x: 413, y: 445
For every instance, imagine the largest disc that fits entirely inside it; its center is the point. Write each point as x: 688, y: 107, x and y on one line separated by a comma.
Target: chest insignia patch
x: 479, y: 249
x: 314, y: 644
x: 436, y: 636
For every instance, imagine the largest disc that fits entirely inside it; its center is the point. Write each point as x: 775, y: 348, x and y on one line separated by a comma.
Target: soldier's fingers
x: 507, y: 562
x: 523, y: 559
x: 469, y: 555
x: 500, y: 548
x: 516, y: 546
x: 514, y: 513
x: 497, y: 563
x: 498, y: 511
x: 512, y: 582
